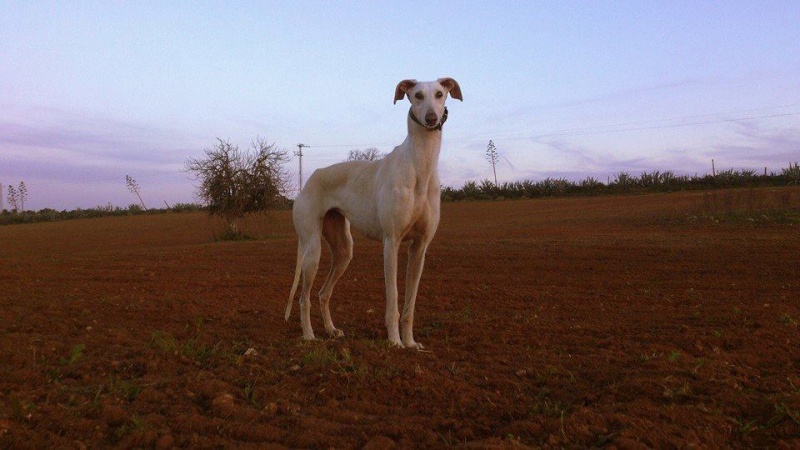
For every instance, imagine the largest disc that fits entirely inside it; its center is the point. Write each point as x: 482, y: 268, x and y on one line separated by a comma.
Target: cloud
x: 621, y: 96
x: 68, y: 160
x: 756, y: 145
x: 771, y: 142
x: 86, y: 142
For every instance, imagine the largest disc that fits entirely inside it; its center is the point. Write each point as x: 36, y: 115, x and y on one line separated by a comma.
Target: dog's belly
x: 421, y: 220
x: 362, y: 217
x: 369, y: 229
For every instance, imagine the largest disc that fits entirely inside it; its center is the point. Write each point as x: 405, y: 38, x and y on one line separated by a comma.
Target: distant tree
x: 133, y: 187
x: 368, y: 154
x: 13, y: 198
x: 493, y: 158
x: 23, y: 195
x: 234, y: 183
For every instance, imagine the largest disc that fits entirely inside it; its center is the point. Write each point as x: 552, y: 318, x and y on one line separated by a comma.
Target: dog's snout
x: 431, y: 118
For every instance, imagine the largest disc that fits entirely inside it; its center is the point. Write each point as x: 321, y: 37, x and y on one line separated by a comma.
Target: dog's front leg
x: 416, y: 261
x: 390, y: 249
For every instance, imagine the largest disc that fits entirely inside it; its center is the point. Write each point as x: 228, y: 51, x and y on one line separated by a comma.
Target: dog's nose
x: 431, y: 118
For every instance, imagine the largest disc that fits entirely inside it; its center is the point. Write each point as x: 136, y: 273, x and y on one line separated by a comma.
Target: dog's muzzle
x: 432, y: 127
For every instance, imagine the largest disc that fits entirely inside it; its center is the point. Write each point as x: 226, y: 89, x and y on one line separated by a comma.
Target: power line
x: 98, y: 180
x: 656, y: 124
x: 589, y: 131
x: 613, y: 128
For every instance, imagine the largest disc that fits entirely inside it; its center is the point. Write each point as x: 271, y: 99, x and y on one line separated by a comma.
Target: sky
x: 93, y: 91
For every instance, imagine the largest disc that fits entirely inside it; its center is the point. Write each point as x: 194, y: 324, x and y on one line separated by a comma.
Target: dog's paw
x: 414, y: 345
x: 336, y: 333
x: 396, y: 343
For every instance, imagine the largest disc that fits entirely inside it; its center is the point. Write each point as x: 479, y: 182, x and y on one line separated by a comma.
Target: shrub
x: 234, y: 183
x: 623, y: 183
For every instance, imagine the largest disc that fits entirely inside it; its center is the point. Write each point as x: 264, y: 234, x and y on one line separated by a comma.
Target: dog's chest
x: 424, y: 215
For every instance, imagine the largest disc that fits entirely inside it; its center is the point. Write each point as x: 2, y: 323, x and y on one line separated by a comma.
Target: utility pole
x: 299, y: 154
x: 1, y: 197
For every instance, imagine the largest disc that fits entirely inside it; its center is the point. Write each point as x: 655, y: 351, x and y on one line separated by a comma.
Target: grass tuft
x: 75, y: 353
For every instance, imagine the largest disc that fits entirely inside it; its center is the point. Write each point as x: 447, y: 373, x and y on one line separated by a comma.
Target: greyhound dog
x: 393, y: 199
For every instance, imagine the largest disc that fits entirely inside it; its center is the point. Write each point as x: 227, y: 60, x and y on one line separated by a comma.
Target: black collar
x: 436, y: 128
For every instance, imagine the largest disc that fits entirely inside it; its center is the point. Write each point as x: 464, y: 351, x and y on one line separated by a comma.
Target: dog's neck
x: 424, y: 145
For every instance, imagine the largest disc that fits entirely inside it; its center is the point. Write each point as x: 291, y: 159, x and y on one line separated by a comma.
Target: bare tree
x: 133, y: 187
x: 13, y: 198
x: 234, y: 183
x: 23, y: 195
x: 493, y: 158
x: 368, y: 154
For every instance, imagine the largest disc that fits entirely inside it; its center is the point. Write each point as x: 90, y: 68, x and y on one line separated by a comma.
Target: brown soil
x: 613, y: 321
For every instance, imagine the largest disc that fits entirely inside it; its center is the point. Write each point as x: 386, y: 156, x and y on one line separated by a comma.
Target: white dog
x: 393, y: 199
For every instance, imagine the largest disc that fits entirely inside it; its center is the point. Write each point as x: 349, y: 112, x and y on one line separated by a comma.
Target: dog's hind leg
x: 336, y: 231
x: 311, y: 253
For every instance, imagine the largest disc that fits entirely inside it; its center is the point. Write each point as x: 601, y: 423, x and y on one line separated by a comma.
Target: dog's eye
x: 439, y: 94
x: 418, y: 95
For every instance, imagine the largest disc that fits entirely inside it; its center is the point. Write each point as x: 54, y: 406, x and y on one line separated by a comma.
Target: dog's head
x: 427, y: 100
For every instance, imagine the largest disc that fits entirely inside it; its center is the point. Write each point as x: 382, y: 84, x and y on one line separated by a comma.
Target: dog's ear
x: 452, y: 85
x: 402, y: 88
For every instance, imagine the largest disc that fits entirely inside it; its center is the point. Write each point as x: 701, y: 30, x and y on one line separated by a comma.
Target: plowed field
x: 624, y: 321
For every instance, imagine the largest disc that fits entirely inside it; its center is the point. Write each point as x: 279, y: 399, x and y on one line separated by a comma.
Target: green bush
x: 51, y: 215
x: 622, y: 183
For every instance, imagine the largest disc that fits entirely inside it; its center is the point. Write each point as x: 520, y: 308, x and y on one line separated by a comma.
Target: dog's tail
x: 297, y: 271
